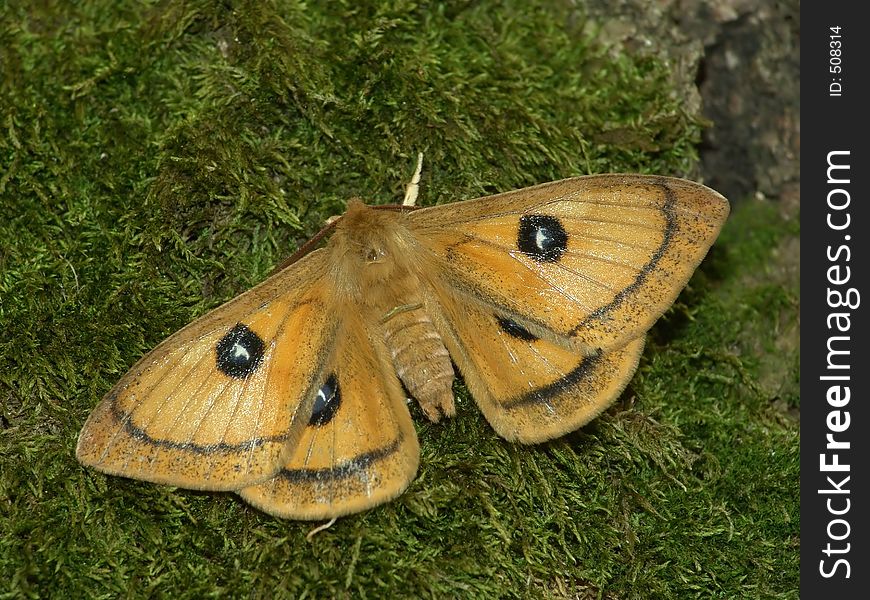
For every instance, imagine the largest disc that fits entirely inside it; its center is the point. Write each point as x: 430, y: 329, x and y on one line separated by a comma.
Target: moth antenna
x: 413, y: 187
x: 408, y: 203
x: 307, y: 246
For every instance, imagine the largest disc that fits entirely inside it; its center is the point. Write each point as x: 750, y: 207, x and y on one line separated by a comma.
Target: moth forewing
x: 595, y: 260
x: 220, y: 403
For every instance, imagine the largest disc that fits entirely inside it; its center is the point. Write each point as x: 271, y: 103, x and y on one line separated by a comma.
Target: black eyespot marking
x: 516, y: 330
x: 326, y: 403
x: 239, y: 352
x: 542, y: 238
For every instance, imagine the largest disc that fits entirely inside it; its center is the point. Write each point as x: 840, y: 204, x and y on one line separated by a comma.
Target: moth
x: 293, y: 394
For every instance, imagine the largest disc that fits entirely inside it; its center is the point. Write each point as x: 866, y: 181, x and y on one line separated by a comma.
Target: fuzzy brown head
x: 370, y: 247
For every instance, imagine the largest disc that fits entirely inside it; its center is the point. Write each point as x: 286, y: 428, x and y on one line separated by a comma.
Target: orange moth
x: 293, y: 393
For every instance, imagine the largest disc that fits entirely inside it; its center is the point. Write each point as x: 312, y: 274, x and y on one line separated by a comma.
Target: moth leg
x: 322, y: 527
x: 413, y: 187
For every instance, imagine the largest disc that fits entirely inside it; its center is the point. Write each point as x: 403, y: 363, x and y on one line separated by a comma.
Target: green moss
x: 158, y: 158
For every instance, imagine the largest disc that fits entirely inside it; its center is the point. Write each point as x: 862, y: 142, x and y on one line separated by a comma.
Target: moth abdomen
x: 420, y: 358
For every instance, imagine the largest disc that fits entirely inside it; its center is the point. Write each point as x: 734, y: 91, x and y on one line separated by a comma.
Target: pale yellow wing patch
x: 594, y: 260
x: 359, y: 448
x: 219, y: 404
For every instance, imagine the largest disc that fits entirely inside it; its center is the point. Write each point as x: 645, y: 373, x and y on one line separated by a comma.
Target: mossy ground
x: 158, y: 158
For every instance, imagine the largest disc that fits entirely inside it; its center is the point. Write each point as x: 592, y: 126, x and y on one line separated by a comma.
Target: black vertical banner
x: 835, y: 299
